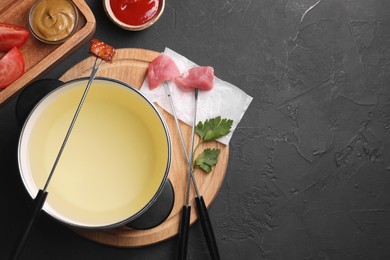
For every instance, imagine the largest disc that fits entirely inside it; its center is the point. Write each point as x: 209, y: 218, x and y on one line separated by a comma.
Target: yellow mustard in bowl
x: 53, y: 21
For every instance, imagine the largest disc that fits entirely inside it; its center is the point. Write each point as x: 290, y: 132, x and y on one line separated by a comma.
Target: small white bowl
x: 130, y: 27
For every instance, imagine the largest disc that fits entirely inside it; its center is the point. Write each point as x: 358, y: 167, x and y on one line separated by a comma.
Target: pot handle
x: 33, y: 216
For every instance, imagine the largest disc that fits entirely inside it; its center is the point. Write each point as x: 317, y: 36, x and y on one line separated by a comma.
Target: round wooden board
x: 130, y: 66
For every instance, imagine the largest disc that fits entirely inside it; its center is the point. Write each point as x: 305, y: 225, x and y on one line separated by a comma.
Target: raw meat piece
x: 197, y: 77
x: 161, y: 69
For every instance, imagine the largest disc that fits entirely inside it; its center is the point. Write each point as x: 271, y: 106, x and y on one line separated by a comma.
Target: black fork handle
x: 183, y: 232
x: 36, y: 208
x: 207, y: 228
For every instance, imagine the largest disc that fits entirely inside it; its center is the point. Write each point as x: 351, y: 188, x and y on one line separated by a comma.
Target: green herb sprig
x: 208, y: 131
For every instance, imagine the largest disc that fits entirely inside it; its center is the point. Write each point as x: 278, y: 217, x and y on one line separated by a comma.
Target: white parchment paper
x: 225, y: 99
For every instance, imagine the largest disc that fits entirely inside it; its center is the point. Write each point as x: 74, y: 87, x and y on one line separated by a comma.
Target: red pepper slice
x: 101, y: 50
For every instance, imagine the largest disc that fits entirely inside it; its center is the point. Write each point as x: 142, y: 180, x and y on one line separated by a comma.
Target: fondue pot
x: 115, y: 163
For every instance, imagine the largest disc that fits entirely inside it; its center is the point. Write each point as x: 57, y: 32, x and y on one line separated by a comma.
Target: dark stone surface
x: 309, y: 169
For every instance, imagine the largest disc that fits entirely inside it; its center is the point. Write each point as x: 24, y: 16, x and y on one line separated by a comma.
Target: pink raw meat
x: 161, y: 69
x: 197, y: 77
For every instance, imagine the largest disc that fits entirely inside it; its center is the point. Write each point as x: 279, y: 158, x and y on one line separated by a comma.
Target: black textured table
x: 309, y: 168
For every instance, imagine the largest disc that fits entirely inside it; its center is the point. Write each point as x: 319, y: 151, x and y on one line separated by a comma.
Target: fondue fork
x: 168, y: 92
x: 200, y: 204
x: 186, y: 211
x: 41, y: 196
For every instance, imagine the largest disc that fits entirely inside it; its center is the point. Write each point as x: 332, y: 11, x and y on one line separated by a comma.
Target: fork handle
x: 35, y: 210
x: 207, y: 228
x: 183, y: 232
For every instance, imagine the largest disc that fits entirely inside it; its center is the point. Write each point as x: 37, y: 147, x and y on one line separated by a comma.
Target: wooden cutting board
x: 130, y: 66
x: 40, y: 57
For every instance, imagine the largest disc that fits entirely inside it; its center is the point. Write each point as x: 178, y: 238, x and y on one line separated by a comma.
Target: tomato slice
x: 11, y: 67
x: 12, y: 35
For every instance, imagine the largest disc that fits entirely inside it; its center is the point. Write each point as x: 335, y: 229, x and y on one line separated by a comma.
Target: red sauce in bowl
x: 134, y: 12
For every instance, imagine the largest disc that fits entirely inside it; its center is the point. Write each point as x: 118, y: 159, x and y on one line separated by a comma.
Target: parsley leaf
x: 207, y: 159
x: 213, y: 128
x: 210, y: 130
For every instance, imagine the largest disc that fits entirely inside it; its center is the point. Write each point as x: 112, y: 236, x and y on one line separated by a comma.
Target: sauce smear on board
x: 134, y: 12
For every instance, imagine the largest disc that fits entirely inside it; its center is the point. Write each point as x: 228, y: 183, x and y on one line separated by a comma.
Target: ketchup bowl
x: 134, y: 15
